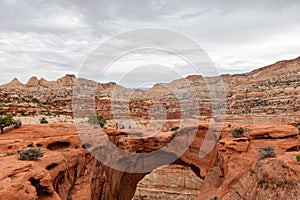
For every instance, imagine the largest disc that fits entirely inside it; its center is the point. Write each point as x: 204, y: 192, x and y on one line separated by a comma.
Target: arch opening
x: 177, y: 180
x: 169, y: 182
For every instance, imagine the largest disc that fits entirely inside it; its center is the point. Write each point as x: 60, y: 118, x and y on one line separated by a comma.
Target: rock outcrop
x: 32, y: 82
x: 264, y: 101
x: 14, y: 84
x: 267, y: 95
x: 231, y: 170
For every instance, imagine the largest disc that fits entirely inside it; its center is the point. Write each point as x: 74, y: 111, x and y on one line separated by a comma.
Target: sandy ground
x: 50, y: 119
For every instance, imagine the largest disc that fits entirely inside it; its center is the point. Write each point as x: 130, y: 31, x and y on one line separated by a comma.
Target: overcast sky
x: 52, y: 38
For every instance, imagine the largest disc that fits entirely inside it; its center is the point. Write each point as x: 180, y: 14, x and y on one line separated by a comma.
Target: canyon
x: 161, y: 155
x: 231, y: 170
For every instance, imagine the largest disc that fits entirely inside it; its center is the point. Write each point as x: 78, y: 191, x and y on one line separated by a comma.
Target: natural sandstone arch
x: 129, y: 181
x: 121, y: 185
x: 169, y: 182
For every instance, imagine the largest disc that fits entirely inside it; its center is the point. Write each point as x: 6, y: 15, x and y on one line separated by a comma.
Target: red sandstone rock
x: 236, y: 144
x: 269, y: 131
x: 14, y: 84
x: 230, y: 171
x: 32, y: 82
x: 266, y: 95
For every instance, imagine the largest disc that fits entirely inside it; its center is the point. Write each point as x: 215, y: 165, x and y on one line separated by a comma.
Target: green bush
x: 5, y: 122
x: 30, y: 154
x: 97, y: 120
x: 43, y: 120
x: 298, y: 158
x: 267, y: 151
x: 9, y: 121
x: 175, y: 128
x: 237, y: 132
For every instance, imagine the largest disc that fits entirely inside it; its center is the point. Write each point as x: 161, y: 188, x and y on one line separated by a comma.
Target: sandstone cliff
x: 266, y: 95
x: 230, y: 171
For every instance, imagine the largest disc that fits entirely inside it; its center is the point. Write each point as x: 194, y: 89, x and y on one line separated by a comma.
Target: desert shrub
x: 298, y: 158
x: 267, y: 151
x: 237, y: 132
x: 43, y: 120
x: 97, y: 120
x: 5, y: 122
x: 175, y: 128
x: 30, y: 154
x: 17, y: 123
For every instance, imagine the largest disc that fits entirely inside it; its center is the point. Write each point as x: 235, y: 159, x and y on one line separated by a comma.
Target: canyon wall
x: 266, y: 95
x: 232, y: 170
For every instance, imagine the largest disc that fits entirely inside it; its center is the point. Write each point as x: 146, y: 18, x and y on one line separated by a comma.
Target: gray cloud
x: 52, y: 38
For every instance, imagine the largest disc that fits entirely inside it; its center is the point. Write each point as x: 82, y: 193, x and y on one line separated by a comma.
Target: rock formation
x: 266, y: 95
x: 231, y: 170
x: 32, y: 82
x: 14, y: 84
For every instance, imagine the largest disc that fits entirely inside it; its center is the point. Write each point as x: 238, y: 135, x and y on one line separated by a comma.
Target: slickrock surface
x: 230, y: 171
